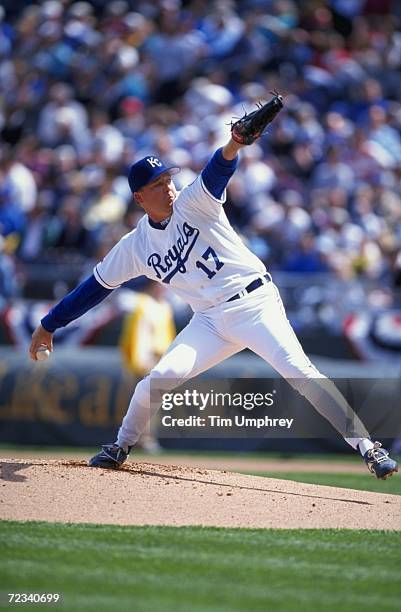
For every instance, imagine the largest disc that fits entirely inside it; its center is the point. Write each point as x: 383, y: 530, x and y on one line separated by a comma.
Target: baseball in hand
x: 42, y: 353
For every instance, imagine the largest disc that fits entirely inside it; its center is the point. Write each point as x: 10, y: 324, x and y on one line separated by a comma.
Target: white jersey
x: 198, y: 254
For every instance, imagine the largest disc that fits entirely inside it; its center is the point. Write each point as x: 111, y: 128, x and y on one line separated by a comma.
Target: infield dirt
x: 156, y: 494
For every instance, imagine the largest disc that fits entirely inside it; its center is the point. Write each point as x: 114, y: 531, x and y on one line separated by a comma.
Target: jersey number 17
x: 218, y: 264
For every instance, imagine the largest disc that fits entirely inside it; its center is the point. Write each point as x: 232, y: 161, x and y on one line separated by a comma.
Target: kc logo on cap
x: 153, y: 161
x: 147, y: 170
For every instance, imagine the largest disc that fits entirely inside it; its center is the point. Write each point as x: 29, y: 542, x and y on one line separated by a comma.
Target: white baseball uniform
x: 205, y: 262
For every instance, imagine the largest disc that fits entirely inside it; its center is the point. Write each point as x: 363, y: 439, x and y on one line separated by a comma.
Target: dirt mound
x: 155, y: 494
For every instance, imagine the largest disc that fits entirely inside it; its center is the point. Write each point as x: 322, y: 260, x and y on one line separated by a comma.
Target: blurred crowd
x: 88, y: 87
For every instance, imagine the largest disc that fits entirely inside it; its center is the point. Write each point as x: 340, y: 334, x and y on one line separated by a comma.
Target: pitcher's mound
x: 153, y: 494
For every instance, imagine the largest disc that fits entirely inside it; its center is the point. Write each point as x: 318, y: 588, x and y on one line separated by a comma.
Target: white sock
x: 364, y: 445
x: 123, y: 446
x: 361, y: 444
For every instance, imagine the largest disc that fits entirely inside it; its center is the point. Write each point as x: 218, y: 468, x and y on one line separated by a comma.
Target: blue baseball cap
x: 147, y: 170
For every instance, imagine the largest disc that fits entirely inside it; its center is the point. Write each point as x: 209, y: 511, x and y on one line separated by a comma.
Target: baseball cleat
x: 379, y: 462
x: 111, y: 456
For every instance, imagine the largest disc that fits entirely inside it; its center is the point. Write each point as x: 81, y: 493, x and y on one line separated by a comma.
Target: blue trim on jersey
x: 103, y: 282
x: 84, y: 297
x: 161, y: 225
x: 217, y: 173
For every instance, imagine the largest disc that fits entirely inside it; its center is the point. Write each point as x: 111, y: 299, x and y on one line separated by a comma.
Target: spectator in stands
x: 8, y: 275
x: 307, y: 259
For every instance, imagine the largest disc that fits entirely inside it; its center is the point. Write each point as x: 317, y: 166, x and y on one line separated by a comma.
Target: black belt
x: 255, y: 284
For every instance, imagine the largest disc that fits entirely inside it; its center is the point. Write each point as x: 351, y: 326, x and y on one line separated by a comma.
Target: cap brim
x: 170, y: 169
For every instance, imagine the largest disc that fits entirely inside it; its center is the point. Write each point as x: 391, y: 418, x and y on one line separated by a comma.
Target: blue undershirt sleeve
x: 217, y: 173
x: 84, y: 297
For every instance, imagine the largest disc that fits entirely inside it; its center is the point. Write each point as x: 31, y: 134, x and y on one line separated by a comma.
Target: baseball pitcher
x: 185, y: 241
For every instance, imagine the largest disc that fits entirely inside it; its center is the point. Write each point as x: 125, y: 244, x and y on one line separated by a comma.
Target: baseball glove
x: 249, y: 127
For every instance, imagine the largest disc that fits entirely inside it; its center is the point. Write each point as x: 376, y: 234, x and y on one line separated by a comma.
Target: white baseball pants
x: 256, y: 321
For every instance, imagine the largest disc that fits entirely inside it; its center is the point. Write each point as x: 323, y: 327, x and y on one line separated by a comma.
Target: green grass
x: 152, y: 569
x: 215, y: 454
x: 362, y: 482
